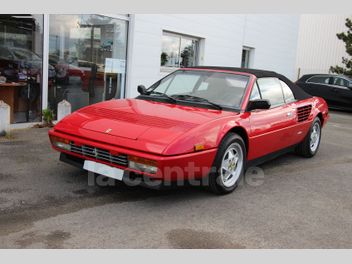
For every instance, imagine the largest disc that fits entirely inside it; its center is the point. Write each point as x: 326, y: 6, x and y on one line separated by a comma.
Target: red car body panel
x: 146, y: 125
x: 168, y: 133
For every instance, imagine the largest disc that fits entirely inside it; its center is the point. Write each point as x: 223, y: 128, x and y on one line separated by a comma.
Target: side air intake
x: 303, y: 112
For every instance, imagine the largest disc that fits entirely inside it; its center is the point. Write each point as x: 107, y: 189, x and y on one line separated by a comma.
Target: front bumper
x: 169, y: 168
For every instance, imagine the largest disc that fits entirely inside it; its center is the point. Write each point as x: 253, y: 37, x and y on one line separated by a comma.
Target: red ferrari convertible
x: 204, y: 123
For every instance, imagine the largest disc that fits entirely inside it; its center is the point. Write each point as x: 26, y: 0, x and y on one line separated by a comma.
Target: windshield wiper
x: 187, y: 97
x: 163, y: 95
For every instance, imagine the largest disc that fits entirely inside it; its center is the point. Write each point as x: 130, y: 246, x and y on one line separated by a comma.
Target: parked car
x: 73, y: 67
x: 23, y: 65
x: 335, y: 89
x: 17, y: 64
x: 207, y: 123
x: 65, y: 70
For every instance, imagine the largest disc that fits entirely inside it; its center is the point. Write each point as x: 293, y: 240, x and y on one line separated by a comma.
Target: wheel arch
x: 242, y: 133
x: 320, y: 116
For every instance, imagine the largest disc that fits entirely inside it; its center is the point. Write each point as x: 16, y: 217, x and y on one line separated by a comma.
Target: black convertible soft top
x: 297, y: 91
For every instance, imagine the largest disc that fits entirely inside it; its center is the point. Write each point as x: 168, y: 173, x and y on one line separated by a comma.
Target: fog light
x: 142, y: 164
x: 63, y: 146
x: 60, y: 143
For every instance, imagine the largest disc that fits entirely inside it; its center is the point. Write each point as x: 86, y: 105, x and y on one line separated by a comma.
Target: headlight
x: 142, y: 164
x: 60, y: 143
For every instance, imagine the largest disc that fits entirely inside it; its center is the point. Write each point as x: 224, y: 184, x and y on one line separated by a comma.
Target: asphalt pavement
x: 299, y: 203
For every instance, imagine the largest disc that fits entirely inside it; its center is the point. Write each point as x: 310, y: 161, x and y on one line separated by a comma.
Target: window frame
x: 282, y: 92
x: 199, y: 104
x: 327, y: 76
x: 249, y: 51
x: 181, y: 37
x: 259, y: 92
x: 295, y: 100
x: 331, y: 77
x: 340, y: 86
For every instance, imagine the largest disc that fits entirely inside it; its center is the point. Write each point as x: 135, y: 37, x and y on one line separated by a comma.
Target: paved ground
x: 303, y: 203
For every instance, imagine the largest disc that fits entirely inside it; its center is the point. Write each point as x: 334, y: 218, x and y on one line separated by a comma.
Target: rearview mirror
x: 141, y: 89
x: 258, y: 104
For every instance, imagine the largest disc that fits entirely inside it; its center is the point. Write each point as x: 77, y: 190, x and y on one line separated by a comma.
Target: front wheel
x: 229, y: 165
x: 310, y: 145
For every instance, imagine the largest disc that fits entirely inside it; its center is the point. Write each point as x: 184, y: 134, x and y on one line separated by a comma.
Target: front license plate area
x: 103, y: 169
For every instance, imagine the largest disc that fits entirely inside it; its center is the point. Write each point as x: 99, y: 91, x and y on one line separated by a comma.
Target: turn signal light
x: 61, y: 143
x: 198, y: 147
x: 58, y: 139
x: 142, y: 160
x: 142, y: 164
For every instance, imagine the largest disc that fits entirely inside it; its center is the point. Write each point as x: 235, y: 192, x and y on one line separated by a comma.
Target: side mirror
x: 258, y: 104
x: 350, y: 85
x: 141, y: 89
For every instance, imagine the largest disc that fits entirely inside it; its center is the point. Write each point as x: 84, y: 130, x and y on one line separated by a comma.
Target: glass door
x: 88, y: 53
x: 21, y: 61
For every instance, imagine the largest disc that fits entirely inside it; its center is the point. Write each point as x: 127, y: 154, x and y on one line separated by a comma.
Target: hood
x: 139, y: 124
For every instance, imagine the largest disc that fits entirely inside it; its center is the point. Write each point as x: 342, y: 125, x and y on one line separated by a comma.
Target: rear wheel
x: 310, y: 145
x: 229, y: 165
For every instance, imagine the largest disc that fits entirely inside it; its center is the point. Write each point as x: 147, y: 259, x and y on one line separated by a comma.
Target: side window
x: 288, y: 95
x: 255, y: 95
x: 319, y: 79
x: 340, y: 82
x: 271, y: 90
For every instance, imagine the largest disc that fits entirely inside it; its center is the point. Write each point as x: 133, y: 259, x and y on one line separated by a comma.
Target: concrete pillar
x: 63, y: 109
x: 4, y: 118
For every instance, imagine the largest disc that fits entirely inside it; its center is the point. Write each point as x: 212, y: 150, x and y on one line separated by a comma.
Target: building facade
x: 318, y: 47
x: 85, y: 59
x: 254, y: 41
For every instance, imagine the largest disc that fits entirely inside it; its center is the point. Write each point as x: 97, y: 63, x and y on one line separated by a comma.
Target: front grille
x: 99, y: 154
x: 303, y: 112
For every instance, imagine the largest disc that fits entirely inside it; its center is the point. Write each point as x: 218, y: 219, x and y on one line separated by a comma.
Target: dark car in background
x: 64, y: 70
x: 335, y: 89
x: 16, y: 64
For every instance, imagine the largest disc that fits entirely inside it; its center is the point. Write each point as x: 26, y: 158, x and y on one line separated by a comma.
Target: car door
x: 319, y: 85
x: 270, y: 128
x: 342, y: 92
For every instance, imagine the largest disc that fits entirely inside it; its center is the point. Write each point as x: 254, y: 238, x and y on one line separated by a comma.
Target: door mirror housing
x: 350, y: 85
x: 141, y: 89
x: 258, y: 104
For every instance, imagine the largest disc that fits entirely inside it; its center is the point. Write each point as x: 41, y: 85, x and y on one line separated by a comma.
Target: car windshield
x: 225, y: 89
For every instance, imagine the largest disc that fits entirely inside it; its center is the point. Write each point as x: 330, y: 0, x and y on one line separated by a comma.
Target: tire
x: 307, y: 148
x: 232, y: 152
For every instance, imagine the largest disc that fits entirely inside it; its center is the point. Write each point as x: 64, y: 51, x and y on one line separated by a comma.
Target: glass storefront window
x: 21, y: 53
x: 178, y: 51
x: 88, y: 53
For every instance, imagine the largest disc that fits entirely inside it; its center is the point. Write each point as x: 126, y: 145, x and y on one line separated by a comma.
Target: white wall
x: 318, y: 46
x: 274, y: 38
